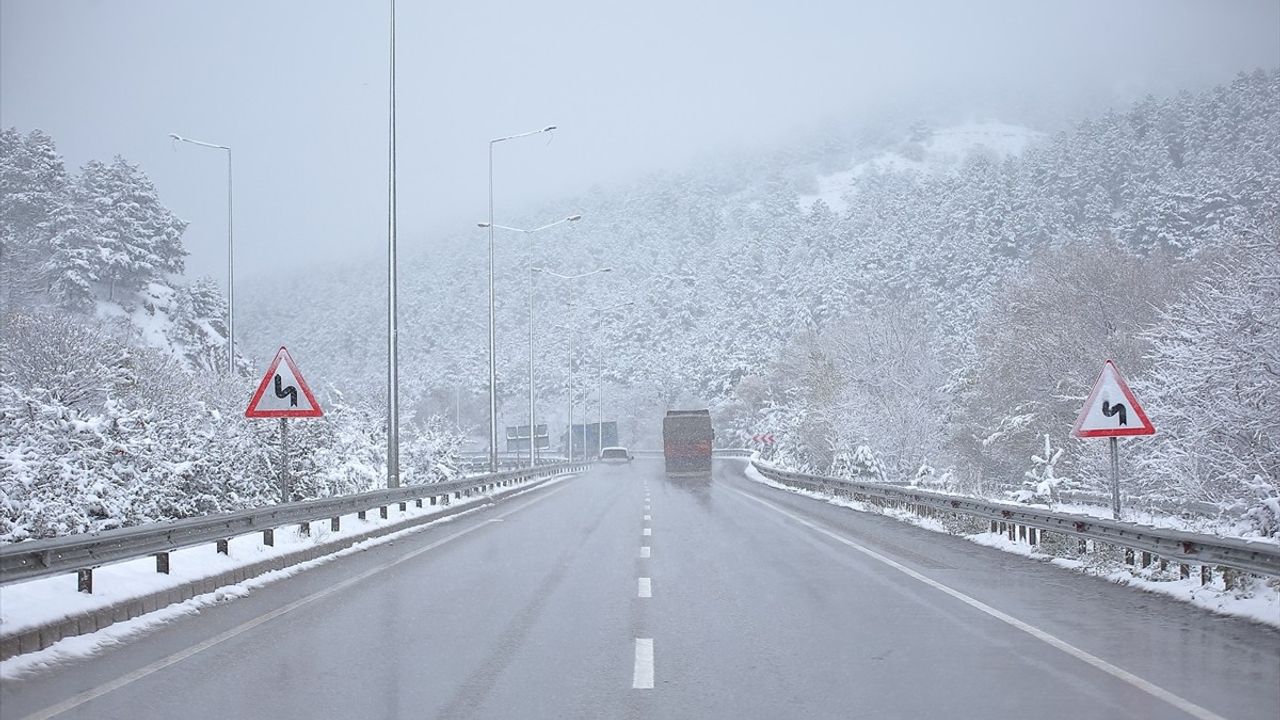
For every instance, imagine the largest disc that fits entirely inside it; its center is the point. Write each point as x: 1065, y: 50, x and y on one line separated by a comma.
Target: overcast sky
x: 299, y: 89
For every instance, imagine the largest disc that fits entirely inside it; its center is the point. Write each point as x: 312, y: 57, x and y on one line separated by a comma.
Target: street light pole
x: 231, y: 258
x: 599, y: 311
x: 493, y: 358
x: 393, y: 346
x: 570, y: 329
x: 533, y: 450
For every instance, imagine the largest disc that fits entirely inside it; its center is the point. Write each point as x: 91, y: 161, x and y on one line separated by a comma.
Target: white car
x: 612, y: 455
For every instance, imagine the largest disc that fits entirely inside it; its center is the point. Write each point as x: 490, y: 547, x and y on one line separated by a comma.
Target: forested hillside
x: 115, y: 404
x: 938, y: 322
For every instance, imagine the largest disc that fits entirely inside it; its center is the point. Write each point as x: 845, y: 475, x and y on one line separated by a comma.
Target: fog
x: 299, y: 90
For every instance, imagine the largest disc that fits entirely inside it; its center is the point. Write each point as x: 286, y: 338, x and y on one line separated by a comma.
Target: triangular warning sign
x: 283, y: 393
x: 1112, y: 410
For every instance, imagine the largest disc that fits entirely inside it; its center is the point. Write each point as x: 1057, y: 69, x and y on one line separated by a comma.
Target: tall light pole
x: 231, y: 264
x: 493, y: 357
x: 533, y: 450
x: 393, y: 346
x: 600, y: 311
x: 570, y: 329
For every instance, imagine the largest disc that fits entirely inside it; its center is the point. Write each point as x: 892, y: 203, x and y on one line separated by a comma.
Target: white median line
x: 1145, y: 686
x: 645, y: 551
x: 648, y: 517
x: 644, y: 587
x: 642, y: 678
x: 648, y: 531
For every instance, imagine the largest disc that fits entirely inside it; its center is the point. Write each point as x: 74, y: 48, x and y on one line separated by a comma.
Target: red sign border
x: 1146, y: 428
x: 315, y: 411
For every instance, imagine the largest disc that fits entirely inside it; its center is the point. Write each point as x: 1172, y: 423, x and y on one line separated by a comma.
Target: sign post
x: 290, y: 397
x: 1112, y: 411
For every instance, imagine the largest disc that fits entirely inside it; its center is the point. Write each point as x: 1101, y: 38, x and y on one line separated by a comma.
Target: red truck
x: 686, y: 442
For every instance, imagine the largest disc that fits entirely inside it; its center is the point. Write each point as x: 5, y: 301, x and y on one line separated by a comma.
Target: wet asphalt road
x: 759, y: 604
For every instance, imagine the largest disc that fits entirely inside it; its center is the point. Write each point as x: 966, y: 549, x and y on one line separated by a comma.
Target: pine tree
x: 137, y: 239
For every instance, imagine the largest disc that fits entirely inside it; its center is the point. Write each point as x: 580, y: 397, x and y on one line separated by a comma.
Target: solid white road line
x: 647, y: 531
x: 645, y: 551
x: 648, y: 517
x: 129, y: 678
x: 642, y: 678
x: 645, y: 587
x: 1125, y: 676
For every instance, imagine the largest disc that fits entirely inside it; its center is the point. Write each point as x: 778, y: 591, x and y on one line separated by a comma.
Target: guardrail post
x: 1146, y: 559
x: 223, y: 548
x: 1031, y: 535
x: 993, y: 526
x: 1084, y: 546
x: 84, y: 580
x: 269, y: 537
x: 162, y: 562
x: 304, y: 529
x: 1206, y: 575
x: 1184, y: 571
x: 363, y: 515
x: 433, y: 499
x: 1013, y: 532
x: 404, y: 507
x: 1128, y: 556
x: 382, y: 512
x: 1022, y: 532
x: 335, y: 524
x: 418, y: 502
x: 1228, y: 578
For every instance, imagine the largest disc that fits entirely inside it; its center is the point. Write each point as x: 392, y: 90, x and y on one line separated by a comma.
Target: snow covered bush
x: 1041, y: 484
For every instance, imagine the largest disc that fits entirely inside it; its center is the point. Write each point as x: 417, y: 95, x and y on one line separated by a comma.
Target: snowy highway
x: 623, y: 593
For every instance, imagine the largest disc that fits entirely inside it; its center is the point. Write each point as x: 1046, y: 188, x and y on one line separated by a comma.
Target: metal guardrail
x: 81, y: 553
x: 1257, y: 558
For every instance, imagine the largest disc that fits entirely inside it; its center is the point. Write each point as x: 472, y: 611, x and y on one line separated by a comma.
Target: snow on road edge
x: 1259, y: 603
x: 81, y: 647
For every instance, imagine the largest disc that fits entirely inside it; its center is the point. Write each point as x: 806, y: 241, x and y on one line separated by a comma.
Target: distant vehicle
x: 686, y: 442
x: 612, y: 455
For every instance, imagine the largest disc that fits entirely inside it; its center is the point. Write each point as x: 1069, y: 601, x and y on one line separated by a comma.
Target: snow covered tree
x: 137, y: 239
x: 1215, y: 385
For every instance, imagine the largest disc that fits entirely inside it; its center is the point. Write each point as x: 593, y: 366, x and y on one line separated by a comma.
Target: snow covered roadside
x: 38, y: 603
x: 1259, y: 601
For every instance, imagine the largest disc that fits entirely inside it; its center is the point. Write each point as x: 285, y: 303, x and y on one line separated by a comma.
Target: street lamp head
x: 549, y: 128
x: 574, y: 218
x: 608, y: 269
x: 482, y: 224
x: 175, y: 136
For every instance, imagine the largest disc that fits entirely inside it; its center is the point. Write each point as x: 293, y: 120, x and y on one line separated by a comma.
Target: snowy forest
x: 927, y: 302
x: 115, y: 404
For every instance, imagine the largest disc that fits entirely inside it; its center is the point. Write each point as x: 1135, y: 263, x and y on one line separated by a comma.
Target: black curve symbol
x: 292, y: 393
x: 1107, y: 409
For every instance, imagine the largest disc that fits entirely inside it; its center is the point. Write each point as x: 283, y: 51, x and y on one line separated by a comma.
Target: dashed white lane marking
x: 642, y: 678
x: 1121, y: 674
x: 648, y: 531
x: 648, y: 517
x: 76, y: 701
x: 645, y: 551
x: 644, y: 587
